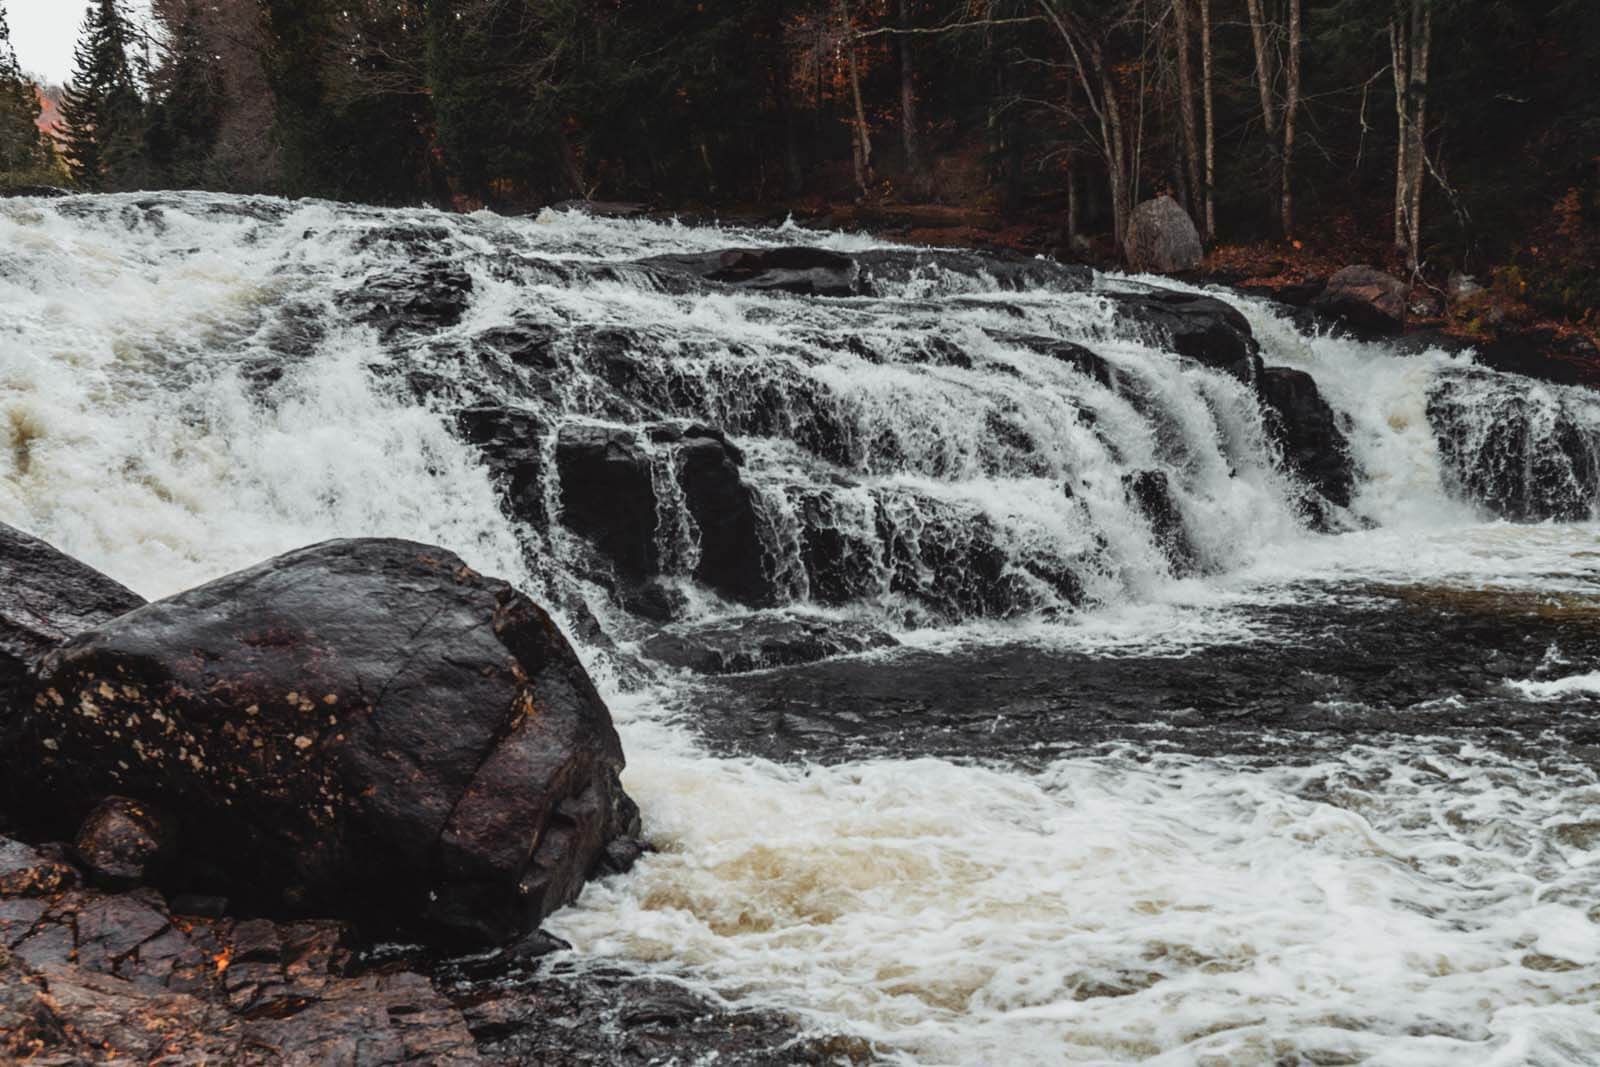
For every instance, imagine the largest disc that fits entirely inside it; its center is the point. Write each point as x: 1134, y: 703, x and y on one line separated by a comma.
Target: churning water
x: 191, y: 383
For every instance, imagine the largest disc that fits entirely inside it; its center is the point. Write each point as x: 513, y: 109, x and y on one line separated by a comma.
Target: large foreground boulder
x: 47, y: 597
x: 362, y: 728
x: 1162, y: 238
x: 1366, y: 299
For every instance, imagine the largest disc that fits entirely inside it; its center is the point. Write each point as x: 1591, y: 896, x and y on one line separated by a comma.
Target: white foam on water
x: 1573, y: 685
x: 1407, y: 908
x: 1431, y: 904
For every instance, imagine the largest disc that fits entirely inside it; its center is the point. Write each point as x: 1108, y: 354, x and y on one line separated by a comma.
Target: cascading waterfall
x: 959, y: 449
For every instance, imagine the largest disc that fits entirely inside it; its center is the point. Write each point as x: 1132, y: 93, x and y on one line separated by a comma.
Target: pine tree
x: 186, y: 104
x: 23, y: 152
x: 102, y: 114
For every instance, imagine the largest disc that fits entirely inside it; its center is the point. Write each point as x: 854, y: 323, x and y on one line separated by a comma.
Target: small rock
x: 27, y: 872
x: 122, y: 842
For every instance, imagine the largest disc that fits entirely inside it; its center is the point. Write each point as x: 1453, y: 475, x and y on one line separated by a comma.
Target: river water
x: 1300, y: 797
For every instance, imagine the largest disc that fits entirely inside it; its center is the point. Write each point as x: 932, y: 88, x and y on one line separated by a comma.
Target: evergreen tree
x: 102, y: 114
x: 186, y: 105
x: 23, y: 151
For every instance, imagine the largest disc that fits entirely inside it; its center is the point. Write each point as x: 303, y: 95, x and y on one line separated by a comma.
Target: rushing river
x: 1283, y: 797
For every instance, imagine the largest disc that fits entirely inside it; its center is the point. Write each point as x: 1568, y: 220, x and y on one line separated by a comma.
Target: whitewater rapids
x: 1423, y: 901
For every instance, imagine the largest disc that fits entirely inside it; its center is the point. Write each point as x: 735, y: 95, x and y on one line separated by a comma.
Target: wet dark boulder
x: 1302, y: 423
x: 1162, y: 238
x: 362, y: 728
x: 1201, y: 328
x: 608, y: 495
x: 1519, y: 449
x: 803, y: 271
x: 733, y: 558
x: 427, y: 297
x: 1085, y: 362
x: 51, y: 191
x: 761, y: 641
x: 123, y: 843
x: 511, y: 441
x: 1150, y: 493
x: 46, y: 597
x: 884, y: 270
x: 1367, y: 300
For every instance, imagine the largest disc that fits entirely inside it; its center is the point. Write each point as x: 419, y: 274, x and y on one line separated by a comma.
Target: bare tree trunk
x: 908, y: 105
x: 1211, y: 121
x: 1291, y: 104
x: 1421, y: 45
x: 1410, y: 41
x: 1258, y: 34
x: 1399, y: 55
x: 1116, y: 155
x: 1191, y: 144
x: 861, y: 142
x: 1072, y: 203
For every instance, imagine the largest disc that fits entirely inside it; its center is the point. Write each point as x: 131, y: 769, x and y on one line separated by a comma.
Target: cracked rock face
x: 364, y: 728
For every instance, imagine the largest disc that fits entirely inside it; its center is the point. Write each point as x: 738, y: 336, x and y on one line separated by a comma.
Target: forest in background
x: 1435, y: 136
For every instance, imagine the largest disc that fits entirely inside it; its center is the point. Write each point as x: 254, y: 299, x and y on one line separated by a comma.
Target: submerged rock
x: 1162, y: 238
x: 1150, y: 492
x: 803, y: 271
x: 1522, y: 457
x: 428, y: 297
x: 759, y: 642
x: 1366, y: 299
x: 364, y: 728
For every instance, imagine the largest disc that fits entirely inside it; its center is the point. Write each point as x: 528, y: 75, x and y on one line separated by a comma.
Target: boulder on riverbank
x: 359, y: 728
x: 1368, y: 300
x: 1162, y: 238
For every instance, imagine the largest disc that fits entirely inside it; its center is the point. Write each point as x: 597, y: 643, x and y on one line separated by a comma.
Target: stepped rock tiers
x: 361, y: 728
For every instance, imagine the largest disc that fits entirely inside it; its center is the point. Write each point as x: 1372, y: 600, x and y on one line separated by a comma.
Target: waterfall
x: 728, y: 449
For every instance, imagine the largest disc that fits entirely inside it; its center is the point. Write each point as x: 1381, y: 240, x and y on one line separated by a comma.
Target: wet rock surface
x: 758, y: 642
x: 820, y: 272
x: 1314, y: 448
x: 1361, y: 663
x: 1519, y: 459
x: 91, y: 977
x: 46, y: 597
x: 123, y: 843
x: 1202, y: 328
x: 608, y: 495
x: 732, y: 554
x: 364, y: 728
